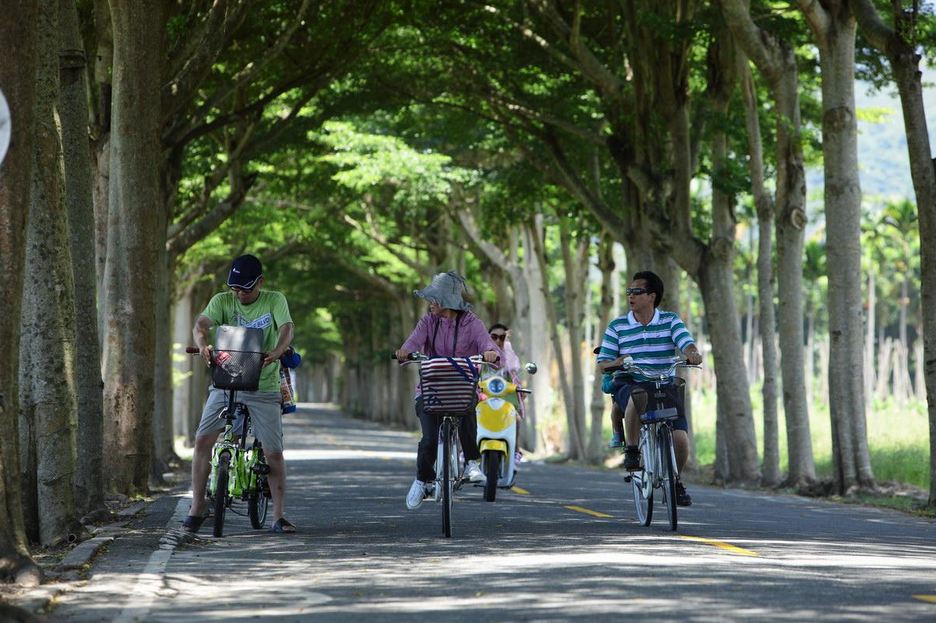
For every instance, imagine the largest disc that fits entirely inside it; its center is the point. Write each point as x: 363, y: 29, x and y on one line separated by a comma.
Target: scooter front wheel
x: 492, y: 461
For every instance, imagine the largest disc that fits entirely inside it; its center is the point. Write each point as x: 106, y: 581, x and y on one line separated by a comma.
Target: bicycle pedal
x: 628, y: 478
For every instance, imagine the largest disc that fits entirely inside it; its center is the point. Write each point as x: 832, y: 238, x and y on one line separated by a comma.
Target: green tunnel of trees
x: 543, y: 148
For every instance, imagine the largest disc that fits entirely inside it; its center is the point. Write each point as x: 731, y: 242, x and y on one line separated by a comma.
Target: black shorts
x: 675, y: 397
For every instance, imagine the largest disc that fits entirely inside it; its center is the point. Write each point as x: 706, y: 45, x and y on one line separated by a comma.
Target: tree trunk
x: 16, y: 171
x: 103, y: 72
x: 163, y: 451
x: 596, y: 446
x: 776, y: 61
x: 575, y: 448
x: 182, y: 365
x: 716, y: 283
x: 770, y: 464
x: 575, y: 264
x: 834, y: 29
x: 79, y: 202
x: 538, y: 349
x: 904, y: 62
x: 869, y: 369
x: 132, y: 232
x: 47, y: 339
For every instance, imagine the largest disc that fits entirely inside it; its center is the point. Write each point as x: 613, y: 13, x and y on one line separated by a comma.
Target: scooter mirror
x: 530, y: 367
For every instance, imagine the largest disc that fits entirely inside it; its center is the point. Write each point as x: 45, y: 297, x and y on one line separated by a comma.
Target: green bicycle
x: 238, y: 472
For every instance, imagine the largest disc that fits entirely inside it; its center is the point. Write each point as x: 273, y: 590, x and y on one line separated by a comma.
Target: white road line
x: 150, y: 581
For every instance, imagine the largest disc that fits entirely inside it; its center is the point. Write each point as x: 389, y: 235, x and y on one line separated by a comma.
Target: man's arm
x: 611, y: 363
x: 203, y: 325
x: 284, y: 339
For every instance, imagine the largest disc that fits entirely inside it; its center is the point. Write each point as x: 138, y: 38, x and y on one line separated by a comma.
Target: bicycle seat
x: 659, y: 415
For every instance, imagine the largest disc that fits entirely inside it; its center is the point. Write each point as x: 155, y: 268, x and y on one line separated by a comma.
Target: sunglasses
x: 637, y: 291
x: 500, y: 337
x: 240, y: 289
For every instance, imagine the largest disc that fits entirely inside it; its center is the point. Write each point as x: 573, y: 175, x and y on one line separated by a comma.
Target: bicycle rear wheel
x: 448, y: 480
x: 257, y: 502
x: 221, y: 493
x: 668, y: 465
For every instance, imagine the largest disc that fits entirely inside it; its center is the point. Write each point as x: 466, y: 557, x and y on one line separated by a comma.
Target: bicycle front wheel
x: 642, y: 482
x: 221, y: 492
x: 448, y: 476
x: 643, y: 496
x: 492, y: 461
x: 668, y: 475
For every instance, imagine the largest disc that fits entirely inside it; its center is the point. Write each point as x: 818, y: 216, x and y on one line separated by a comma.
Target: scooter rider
x: 450, y: 329
x: 650, y: 336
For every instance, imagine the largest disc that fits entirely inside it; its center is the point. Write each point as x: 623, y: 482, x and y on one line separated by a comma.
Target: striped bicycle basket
x: 448, y: 385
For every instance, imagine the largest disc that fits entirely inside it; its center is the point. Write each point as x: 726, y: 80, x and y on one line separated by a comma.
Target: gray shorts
x: 265, y: 416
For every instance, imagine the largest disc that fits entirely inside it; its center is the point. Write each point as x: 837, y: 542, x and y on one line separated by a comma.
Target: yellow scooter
x: 497, y: 430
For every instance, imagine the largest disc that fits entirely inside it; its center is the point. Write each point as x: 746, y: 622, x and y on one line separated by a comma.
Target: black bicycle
x: 449, y: 388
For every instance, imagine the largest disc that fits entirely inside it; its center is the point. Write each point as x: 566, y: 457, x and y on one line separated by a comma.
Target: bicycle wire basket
x: 448, y: 385
x: 238, y: 359
x: 237, y: 370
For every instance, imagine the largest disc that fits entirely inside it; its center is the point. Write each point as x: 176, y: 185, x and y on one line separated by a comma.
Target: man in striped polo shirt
x: 650, y: 336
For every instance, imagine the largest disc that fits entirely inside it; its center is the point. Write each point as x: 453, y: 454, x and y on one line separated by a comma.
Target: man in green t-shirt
x: 245, y: 305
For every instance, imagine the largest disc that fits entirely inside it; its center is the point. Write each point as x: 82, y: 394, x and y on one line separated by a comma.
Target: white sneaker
x: 416, y: 495
x: 473, y: 472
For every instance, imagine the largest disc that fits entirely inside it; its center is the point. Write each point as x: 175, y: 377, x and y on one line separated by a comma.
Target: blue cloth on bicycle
x: 291, y: 359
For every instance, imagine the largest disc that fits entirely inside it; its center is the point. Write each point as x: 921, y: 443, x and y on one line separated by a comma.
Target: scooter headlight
x: 496, y: 386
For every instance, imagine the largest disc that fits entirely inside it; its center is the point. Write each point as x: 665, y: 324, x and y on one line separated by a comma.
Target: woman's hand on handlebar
x: 490, y: 356
x: 402, y: 355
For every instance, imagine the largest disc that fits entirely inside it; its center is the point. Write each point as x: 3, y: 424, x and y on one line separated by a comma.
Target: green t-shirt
x: 269, y: 312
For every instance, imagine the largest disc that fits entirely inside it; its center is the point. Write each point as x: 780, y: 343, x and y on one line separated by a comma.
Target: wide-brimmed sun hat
x: 446, y: 291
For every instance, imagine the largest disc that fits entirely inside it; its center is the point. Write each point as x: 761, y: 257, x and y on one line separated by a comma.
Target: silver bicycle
x: 658, y: 468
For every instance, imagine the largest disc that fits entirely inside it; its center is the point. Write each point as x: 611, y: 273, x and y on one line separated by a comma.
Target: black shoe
x: 631, y: 458
x: 682, y: 497
x: 192, y: 523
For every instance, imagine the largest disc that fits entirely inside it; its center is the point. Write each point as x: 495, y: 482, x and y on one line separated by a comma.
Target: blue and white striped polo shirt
x: 652, y: 346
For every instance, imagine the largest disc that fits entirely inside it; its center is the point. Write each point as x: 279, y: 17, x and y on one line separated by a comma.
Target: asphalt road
x: 564, y: 547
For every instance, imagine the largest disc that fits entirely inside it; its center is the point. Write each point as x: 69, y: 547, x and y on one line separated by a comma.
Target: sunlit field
x: 898, y: 437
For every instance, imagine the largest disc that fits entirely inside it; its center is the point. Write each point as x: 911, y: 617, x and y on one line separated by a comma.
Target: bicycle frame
x: 243, y: 460
x: 456, y: 461
x: 241, y: 470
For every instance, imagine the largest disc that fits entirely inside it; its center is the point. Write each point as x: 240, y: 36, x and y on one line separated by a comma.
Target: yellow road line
x: 734, y: 549
x: 520, y: 491
x: 929, y: 598
x: 587, y: 511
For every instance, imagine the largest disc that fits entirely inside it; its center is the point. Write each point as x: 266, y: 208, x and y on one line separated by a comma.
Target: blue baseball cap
x: 245, y: 271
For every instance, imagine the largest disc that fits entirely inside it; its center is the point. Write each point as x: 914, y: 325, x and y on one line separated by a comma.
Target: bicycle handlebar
x: 661, y: 375
x: 193, y: 350
x: 416, y: 357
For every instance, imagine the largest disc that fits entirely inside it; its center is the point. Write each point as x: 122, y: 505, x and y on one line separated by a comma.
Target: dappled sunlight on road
x: 360, y: 555
x: 331, y: 455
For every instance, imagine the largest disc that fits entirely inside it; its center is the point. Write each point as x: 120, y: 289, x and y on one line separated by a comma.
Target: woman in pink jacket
x: 449, y: 329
